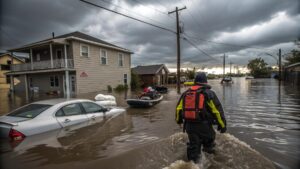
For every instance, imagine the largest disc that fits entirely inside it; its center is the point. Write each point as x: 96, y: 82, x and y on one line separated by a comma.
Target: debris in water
x: 180, y: 164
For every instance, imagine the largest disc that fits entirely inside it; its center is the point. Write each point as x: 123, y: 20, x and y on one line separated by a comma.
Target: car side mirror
x: 104, y: 110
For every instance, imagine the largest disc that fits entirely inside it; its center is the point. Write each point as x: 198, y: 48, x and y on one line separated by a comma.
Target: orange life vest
x: 194, y: 104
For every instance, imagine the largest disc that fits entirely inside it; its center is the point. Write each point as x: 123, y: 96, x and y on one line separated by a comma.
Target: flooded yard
x: 259, y: 112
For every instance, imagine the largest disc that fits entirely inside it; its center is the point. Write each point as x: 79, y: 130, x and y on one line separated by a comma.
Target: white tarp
x: 107, y: 103
x: 102, y: 97
x: 105, y: 100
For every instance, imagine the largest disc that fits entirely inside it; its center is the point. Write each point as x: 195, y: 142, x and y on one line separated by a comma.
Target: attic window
x: 84, y: 50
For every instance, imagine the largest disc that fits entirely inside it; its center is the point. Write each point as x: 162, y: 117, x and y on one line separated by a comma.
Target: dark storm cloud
x: 27, y: 21
x: 261, y: 24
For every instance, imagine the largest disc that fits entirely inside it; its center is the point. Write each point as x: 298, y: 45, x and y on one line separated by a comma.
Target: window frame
x: 122, y: 58
x: 64, y: 115
x: 55, y: 77
x: 88, y: 50
x: 125, y: 78
x: 5, y: 67
x: 106, y: 57
x: 101, y: 110
x: 44, y: 108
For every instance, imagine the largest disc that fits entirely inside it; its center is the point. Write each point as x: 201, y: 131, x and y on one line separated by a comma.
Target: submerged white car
x: 47, y: 115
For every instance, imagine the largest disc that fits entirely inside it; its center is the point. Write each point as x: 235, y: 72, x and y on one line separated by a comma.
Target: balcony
x: 42, y: 65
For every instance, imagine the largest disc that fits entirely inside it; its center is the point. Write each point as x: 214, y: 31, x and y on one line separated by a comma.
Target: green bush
x: 135, y: 81
x: 121, y: 87
x: 109, y: 88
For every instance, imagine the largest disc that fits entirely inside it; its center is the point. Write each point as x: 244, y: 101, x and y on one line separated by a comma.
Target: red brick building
x: 152, y: 74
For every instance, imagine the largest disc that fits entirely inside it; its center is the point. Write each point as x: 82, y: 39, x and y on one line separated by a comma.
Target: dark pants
x: 200, y: 134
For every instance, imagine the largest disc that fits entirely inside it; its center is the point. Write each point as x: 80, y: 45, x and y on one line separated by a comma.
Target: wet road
x: 260, y: 112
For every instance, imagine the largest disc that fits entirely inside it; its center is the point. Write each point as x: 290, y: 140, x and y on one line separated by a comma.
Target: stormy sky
x: 242, y: 29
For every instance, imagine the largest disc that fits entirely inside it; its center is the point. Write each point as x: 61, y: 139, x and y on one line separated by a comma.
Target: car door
x: 94, y: 111
x: 71, y: 114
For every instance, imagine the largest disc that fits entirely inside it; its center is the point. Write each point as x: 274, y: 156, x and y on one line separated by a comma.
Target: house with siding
x: 152, y: 74
x: 292, y: 74
x: 7, y: 59
x: 71, y: 64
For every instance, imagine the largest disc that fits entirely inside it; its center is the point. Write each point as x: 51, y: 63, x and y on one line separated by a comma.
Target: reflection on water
x: 260, y: 112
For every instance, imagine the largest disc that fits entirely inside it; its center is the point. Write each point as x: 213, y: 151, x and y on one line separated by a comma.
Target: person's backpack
x: 194, y: 104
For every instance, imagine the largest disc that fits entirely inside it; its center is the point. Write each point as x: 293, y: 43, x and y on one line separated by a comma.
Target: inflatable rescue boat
x: 144, y: 101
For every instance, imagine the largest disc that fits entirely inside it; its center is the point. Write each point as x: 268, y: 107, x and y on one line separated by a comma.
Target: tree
x: 258, y: 68
x: 191, y: 73
x: 293, y: 58
x: 135, y: 81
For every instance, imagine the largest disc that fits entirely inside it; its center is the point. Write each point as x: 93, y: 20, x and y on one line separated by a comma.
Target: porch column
x: 26, y: 87
x: 11, y: 61
x: 66, y: 59
x: 12, y: 58
x: 31, y: 59
x: 11, y: 83
x: 67, y: 80
x: 51, y: 55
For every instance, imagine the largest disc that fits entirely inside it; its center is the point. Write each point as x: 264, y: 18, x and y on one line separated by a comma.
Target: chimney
x: 53, y: 35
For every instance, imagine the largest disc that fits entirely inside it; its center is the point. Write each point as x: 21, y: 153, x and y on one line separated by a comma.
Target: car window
x: 30, y: 111
x: 70, y: 110
x: 59, y: 113
x: 91, y: 107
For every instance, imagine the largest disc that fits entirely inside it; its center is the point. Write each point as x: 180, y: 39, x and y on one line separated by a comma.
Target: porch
x: 49, y: 59
x: 48, y: 54
x: 42, y: 65
x: 52, y: 83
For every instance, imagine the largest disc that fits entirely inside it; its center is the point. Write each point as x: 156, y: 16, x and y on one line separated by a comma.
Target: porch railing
x: 42, y: 65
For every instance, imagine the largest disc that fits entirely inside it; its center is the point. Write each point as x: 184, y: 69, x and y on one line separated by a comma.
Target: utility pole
x: 279, y: 65
x: 178, y: 46
x: 230, y: 69
x: 224, y: 66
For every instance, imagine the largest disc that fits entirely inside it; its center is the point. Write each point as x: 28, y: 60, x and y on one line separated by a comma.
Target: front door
x: 72, y: 84
x: 59, y: 54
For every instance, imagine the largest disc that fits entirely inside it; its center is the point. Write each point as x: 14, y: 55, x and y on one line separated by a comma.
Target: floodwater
x: 263, y: 120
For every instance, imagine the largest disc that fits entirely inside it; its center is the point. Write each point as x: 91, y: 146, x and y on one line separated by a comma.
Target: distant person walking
x: 198, y: 109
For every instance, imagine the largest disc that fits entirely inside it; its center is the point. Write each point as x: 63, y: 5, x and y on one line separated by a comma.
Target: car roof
x: 60, y: 100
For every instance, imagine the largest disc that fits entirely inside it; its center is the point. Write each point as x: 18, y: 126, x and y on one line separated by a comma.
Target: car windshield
x: 30, y: 111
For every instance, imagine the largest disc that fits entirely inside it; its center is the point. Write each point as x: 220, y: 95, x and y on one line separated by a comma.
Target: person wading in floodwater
x: 198, y: 109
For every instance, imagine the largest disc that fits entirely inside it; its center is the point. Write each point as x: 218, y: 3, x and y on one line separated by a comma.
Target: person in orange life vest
x: 199, y: 109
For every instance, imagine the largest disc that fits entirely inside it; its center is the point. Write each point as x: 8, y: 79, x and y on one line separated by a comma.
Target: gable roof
x: 77, y: 36
x: 86, y: 37
x: 293, y: 65
x: 149, y: 69
x: 14, y: 56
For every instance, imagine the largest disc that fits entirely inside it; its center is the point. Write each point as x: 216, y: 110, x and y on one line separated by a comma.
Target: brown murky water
x: 260, y: 112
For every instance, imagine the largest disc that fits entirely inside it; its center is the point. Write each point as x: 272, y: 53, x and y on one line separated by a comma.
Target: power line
x: 193, y: 18
x: 227, y: 44
x: 195, y: 46
x: 165, y: 13
x: 166, y: 29
x: 108, y: 2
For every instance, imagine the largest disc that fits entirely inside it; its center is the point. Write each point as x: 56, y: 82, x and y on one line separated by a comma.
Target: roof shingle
x: 147, y: 70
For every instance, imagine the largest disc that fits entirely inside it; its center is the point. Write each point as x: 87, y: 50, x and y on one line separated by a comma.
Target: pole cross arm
x: 177, y: 10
